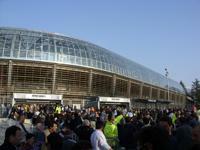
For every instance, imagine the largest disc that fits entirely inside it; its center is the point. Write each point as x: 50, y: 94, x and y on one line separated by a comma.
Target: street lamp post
x: 166, y: 75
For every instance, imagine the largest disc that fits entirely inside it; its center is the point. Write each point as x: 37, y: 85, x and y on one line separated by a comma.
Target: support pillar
x: 141, y: 90
x: 90, y: 82
x: 150, y: 92
x: 10, y: 65
x: 113, y: 85
x: 54, y: 78
x: 9, y: 81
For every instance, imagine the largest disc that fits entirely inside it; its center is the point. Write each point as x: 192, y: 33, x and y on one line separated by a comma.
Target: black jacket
x: 7, y: 146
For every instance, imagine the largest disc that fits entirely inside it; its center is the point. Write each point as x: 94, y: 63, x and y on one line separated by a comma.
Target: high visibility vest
x: 58, y: 110
x: 118, y: 119
x: 174, y: 119
x: 110, y: 130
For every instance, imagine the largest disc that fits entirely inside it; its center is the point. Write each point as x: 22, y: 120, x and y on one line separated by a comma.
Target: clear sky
x: 154, y: 33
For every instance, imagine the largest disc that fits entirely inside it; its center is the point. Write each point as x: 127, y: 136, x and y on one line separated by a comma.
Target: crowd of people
x: 63, y: 128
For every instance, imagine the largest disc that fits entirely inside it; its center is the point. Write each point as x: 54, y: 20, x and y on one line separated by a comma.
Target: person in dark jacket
x: 69, y: 137
x: 30, y: 140
x: 12, y: 138
x: 127, y: 134
x: 54, y: 139
x: 84, y: 132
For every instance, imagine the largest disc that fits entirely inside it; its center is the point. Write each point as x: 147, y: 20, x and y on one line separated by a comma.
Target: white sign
x: 37, y: 96
x: 114, y: 99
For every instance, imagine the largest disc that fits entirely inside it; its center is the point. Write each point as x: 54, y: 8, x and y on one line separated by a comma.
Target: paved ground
x: 3, y: 125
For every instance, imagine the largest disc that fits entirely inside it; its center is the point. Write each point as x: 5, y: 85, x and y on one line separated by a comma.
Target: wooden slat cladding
x: 121, y: 88
x: 32, y: 79
x: 68, y: 81
x: 101, y: 85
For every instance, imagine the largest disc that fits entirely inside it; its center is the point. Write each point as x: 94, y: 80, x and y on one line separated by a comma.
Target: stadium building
x: 38, y: 66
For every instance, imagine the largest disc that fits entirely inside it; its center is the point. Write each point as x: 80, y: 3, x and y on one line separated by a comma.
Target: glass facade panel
x: 38, y: 55
x: 71, y: 52
x: 72, y: 59
x: 77, y: 52
x: 45, y: 56
x: 83, y: 54
x: 30, y: 46
x: 66, y: 59
x: 8, y: 45
x: 45, y: 48
x: 16, y: 53
x: 52, y: 57
x: 1, y: 44
x: 30, y: 54
x: 60, y: 57
x: 23, y: 46
x: 38, y: 47
x: 84, y: 62
x: 22, y: 54
x: 7, y: 52
x: 1, y: 52
x: 78, y: 60
x: 65, y: 51
x: 59, y: 49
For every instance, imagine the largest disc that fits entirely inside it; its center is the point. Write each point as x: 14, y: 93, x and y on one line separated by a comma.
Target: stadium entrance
x: 22, y: 98
x: 99, y: 102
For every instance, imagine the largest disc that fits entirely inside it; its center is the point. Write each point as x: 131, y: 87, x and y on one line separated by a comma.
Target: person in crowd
x: 75, y: 121
x: 153, y: 138
x: 92, y: 117
x: 12, y: 138
x: 110, y: 129
x: 119, y: 118
x: 165, y: 122
x: 58, y: 109
x: 39, y: 134
x: 84, y: 132
x: 196, y: 134
x: 20, y: 123
x: 196, y: 138
x: 54, y: 139
x: 146, y: 122
x: 183, y: 132
x: 127, y: 134
x: 30, y: 140
x: 69, y: 137
x: 103, y: 116
x: 82, y: 145
x: 98, y: 139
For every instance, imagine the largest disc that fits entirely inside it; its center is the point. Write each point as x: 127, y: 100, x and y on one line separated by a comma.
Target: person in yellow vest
x: 58, y: 109
x: 118, y: 119
x: 111, y: 131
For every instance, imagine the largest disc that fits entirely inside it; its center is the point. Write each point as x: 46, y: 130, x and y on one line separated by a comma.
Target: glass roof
x: 50, y: 47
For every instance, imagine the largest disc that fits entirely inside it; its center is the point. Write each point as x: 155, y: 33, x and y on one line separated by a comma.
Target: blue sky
x: 154, y: 33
